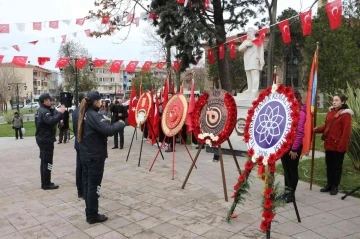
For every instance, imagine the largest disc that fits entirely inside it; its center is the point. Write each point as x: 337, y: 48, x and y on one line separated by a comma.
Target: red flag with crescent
x: 191, y: 109
x: 285, y: 30
x: 131, y: 66
x: 243, y: 38
x: 54, y: 24
x: 19, y: 60
x: 166, y: 92
x: 232, y: 49
x: 306, y: 22
x: 146, y: 66
x: 16, y: 47
x: 42, y: 60
x: 80, y: 63
x: 37, y: 26
x: 99, y: 63
x: 132, y: 107
x: 115, y: 66
x: 4, y: 28
x: 62, y: 62
x: 211, y: 57
x: 105, y: 19
x: 160, y: 65
x: 334, y: 13
x: 1, y: 58
x: 176, y: 65
x: 221, y: 49
x: 261, y: 37
x: 156, y: 118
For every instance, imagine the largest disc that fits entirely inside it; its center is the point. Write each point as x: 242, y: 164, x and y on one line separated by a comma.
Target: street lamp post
x: 76, y: 89
x: 17, y: 86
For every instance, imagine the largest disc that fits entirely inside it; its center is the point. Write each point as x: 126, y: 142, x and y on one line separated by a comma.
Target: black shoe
x: 169, y: 150
x: 282, y: 197
x: 289, y: 198
x: 115, y: 147
x: 98, y: 218
x: 121, y: 147
x: 216, y: 158
x: 50, y: 187
x: 326, y: 188
x: 334, y: 191
x: 80, y: 195
x: 59, y: 142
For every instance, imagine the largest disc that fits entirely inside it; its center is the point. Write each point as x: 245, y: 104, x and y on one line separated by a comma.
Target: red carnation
x: 268, y: 216
x: 268, y: 90
x: 287, y: 90
x: 272, y: 168
x: 260, y: 160
x: 268, y: 204
x: 242, y: 177
x: 290, y: 137
x: 237, y: 186
x: 255, y: 103
x: 264, y: 225
x: 280, y: 89
x: 246, y: 137
x: 261, y: 96
x: 251, y: 152
x: 261, y: 170
x: 272, y: 159
x: 234, y: 195
x: 285, y: 147
x: 268, y: 192
x: 249, y: 165
x: 251, y: 112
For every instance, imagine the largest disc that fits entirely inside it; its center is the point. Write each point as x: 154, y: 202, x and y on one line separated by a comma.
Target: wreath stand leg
x: 173, y: 158
x: 142, y: 142
x: 223, y: 173
x: 157, y: 154
x: 235, y: 159
x: 132, y: 140
x: 286, y: 172
x: 192, y: 165
x: 136, y: 133
x: 268, y: 231
x: 157, y: 142
x: 183, y: 141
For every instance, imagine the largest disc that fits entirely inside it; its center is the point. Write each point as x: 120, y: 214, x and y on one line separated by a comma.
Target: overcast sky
x: 28, y: 11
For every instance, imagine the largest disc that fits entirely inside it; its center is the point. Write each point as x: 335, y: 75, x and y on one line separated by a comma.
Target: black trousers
x: 46, y: 165
x: 93, y: 171
x: 18, y: 132
x: 291, y: 172
x: 116, y: 138
x: 63, y: 134
x: 334, y: 161
x: 79, y: 172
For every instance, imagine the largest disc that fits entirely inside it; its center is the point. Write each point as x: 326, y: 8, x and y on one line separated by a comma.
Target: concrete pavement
x: 143, y: 204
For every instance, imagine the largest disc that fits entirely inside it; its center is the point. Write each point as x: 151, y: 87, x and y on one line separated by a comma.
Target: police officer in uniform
x: 93, y: 130
x: 46, y: 121
x: 119, y: 113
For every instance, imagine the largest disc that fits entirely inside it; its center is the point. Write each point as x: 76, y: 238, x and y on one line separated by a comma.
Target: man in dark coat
x: 119, y: 112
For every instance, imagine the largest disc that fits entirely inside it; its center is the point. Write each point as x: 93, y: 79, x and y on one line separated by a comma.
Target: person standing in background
x: 79, y: 181
x: 17, y: 124
x: 64, y: 127
x: 336, y: 134
x: 119, y: 113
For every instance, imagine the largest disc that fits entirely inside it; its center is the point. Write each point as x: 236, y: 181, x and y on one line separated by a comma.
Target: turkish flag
x: 132, y: 107
x: 19, y: 60
x: 105, y: 19
x: 306, y: 22
x: 232, y: 48
x: 180, y: 1
x: 130, y: 17
x: 1, y: 58
x: 221, y: 51
x: 166, y: 92
x: 87, y: 33
x: 285, y: 30
x: 54, y: 24
x: 33, y: 42
x: 160, y: 65
x: 115, y: 66
x: 137, y: 21
x: 62, y: 62
x: 80, y: 63
x: 261, y: 37
x: 63, y: 39
x: 43, y: 60
x: 99, y: 63
x: 4, y: 28
x: 243, y: 38
x: 153, y: 16
x: 16, y: 47
x: 80, y: 21
x: 211, y: 56
x: 37, y: 26
x: 189, y: 118
x: 156, y: 118
x: 146, y: 66
x: 177, y: 65
x: 334, y: 13
x: 131, y: 66
x: 206, y: 4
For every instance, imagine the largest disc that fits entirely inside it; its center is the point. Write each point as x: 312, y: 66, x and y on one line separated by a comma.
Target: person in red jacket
x: 336, y: 135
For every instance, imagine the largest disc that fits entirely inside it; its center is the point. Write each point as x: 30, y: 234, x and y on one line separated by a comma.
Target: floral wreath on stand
x: 209, y: 138
x: 266, y: 164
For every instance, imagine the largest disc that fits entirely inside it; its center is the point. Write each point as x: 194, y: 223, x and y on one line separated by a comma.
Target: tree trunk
x: 168, y: 59
x: 223, y: 64
x: 270, y: 47
x: 178, y: 81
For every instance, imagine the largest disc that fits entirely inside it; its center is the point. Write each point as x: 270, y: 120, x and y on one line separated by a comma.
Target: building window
x: 34, y: 73
x: 292, y: 72
x: 110, y: 88
x: 112, y: 79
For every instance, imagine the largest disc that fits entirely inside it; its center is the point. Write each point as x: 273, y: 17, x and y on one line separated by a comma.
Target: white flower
x: 265, y: 161
x: 208, y: 142
x: 201, y: 136
x: 254, y: 158
x: 215, y: 138
x: 274, y: 88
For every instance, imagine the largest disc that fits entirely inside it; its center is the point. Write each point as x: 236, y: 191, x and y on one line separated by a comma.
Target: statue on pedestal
x: 253, y: 61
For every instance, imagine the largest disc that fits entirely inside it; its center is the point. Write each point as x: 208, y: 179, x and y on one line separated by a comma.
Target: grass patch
x: 350, y: 177
x: 6, y: 130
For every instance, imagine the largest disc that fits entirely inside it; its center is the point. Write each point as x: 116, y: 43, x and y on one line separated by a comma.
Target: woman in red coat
x: 336, y: 135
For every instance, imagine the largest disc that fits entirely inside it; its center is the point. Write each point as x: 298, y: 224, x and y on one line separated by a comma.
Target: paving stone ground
x: 143, y: 204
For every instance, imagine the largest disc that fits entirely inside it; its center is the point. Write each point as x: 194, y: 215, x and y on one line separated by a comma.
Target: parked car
x: 32, y: 105
x: 14, y: 106
x: 70, y: 109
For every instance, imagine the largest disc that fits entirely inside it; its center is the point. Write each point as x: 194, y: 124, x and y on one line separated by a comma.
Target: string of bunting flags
x: 114, y: 65
x: 334, y: 13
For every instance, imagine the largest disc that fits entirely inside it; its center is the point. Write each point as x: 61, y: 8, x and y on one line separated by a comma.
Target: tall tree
x: 86, y: 78
x: 147, y: 81
x: 8, y: 75
x: 339, y: 57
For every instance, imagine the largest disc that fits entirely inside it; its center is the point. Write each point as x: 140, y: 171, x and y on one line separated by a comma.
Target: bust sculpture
x: 253, y: 61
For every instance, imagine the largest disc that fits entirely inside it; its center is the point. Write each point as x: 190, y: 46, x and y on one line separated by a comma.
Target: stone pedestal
x: 243, y: 102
